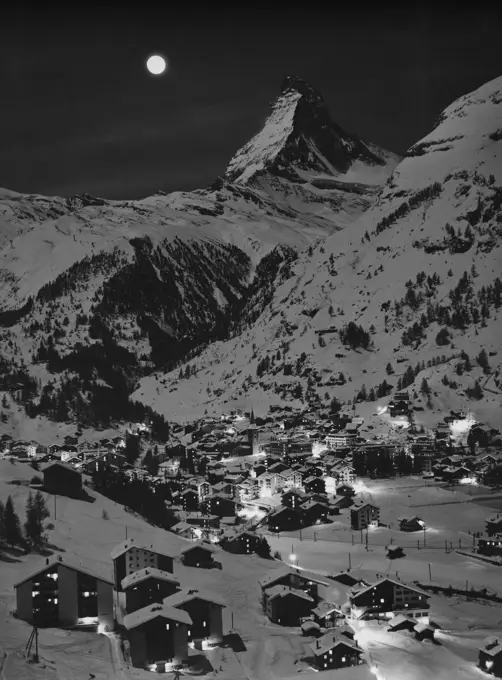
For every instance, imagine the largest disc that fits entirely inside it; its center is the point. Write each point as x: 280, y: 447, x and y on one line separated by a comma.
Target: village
x: 280, y: 487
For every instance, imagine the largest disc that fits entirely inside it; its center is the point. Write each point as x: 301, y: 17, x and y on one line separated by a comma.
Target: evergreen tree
x: 263, y: 548
x: 424, y: 387
x: 12, y: 525
x: 389, y: 370
x: 482, y: 360
x: 371, y: 395
x: 2, y: 525
x: 335, y: 406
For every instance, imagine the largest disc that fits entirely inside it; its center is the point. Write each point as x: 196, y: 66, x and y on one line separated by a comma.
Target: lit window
x: 35, y: 592
x: 382, y: 600
x: 344, y: 659
x: 87, y: 593
x: 55, y: 600
x: 167, y: 626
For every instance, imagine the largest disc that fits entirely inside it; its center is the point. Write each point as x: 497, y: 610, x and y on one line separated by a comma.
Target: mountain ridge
x: 220, y: 278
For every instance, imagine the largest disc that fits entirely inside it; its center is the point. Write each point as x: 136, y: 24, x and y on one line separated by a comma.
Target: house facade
x: 387, y: 598
x: 364, y: 516
x: 65, y: 595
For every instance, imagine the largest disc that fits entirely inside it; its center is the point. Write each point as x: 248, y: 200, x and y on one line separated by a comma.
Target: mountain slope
x: 426, y: 258
x: 97, y: 293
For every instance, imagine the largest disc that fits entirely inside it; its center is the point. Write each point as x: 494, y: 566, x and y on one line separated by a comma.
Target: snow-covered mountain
x: 303, y: 157
x: 99, y: 292
x: 419, y: 273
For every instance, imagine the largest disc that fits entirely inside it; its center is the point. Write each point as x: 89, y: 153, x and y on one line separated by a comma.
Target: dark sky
x: 79, y: 113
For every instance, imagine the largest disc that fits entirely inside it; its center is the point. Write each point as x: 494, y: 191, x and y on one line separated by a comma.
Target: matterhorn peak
x: 299, y: 141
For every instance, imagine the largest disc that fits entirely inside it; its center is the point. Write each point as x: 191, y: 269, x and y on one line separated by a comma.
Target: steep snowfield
x: 349, y: 278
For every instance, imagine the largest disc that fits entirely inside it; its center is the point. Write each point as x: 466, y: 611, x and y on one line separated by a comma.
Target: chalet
x: 387, y: 598
x: 169, y: 468
x: 456, y: 474
x: 142, y: 588
x: 69, y: 452
x: 205, y: 611
x: 313, y: 584
x: 314, y: 485
x: 293, y: 479
x: 65, y: 593
x: 205, y: 522
x: 292, y: 498
x: 364, y: 516
x: 345, y: 490
x: 268, y: 484
x: 341, y: 502
x: 158, y: 637
x: 401, y: 622
x: 189, y: 500
x: 314, y: 512
x: 247, y: 490
x: 243, y: 543
x: 287, y: 606
x: 411, y: 524
x: 493, y: 525
x: 223, y: 488
x: 334, y: 650
x: 198, y: 555
x: 130, y: 556
x: 327, y: 615
x: 218, y: 505
x: 490, y: 546
x: 490, y: 657
x: 349, y: 578
x: 63, y: 480
x: 424, y: 631
x: 284, y: 519
x: 342, y: 472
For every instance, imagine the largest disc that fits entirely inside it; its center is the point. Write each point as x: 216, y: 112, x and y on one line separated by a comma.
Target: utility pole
x: 55, y: 496
x: 430, y: 572
x: 425, y: 540
x: 350, y: 562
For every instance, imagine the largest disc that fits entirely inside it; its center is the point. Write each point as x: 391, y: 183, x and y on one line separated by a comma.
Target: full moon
x: 156, y: 64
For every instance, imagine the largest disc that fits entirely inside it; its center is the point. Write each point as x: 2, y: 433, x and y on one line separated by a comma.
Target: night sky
x: 80, y: 113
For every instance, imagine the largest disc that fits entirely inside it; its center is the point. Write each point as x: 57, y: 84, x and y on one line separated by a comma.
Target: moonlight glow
x: 156, y: 64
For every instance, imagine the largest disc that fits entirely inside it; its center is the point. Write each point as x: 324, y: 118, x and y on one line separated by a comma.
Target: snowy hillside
x: 419, y: 273
x: 97, y: 293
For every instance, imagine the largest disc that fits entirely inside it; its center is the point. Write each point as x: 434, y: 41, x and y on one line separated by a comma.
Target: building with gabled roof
x: 311, y: 583
x: 158, y: 636
x: 326, y: 614
x: 66, y: 593
x: 199, y: 554
x: 130, y: 556
x: 490, y: 656
x: 388, y: 597
x: 335, y: 650
x: 205, y: 610
x: 142, y: 588
x: 287, y: 606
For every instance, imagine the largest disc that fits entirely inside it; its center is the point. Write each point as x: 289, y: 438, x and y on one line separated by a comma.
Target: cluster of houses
x: 138, y: 595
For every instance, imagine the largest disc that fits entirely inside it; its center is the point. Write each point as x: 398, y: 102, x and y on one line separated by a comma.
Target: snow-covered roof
x: 281, y: 572
x: 177, y: 599
x: 400, y: 619
x: 386, y: 579
x: 325, y: 608
x: 152, y: 611
x: 330, y: 641
x: 202, y: 545
x: 130, y: 544
x: 284, y: 591
x: 102, y: 573
x: 146, y: 573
